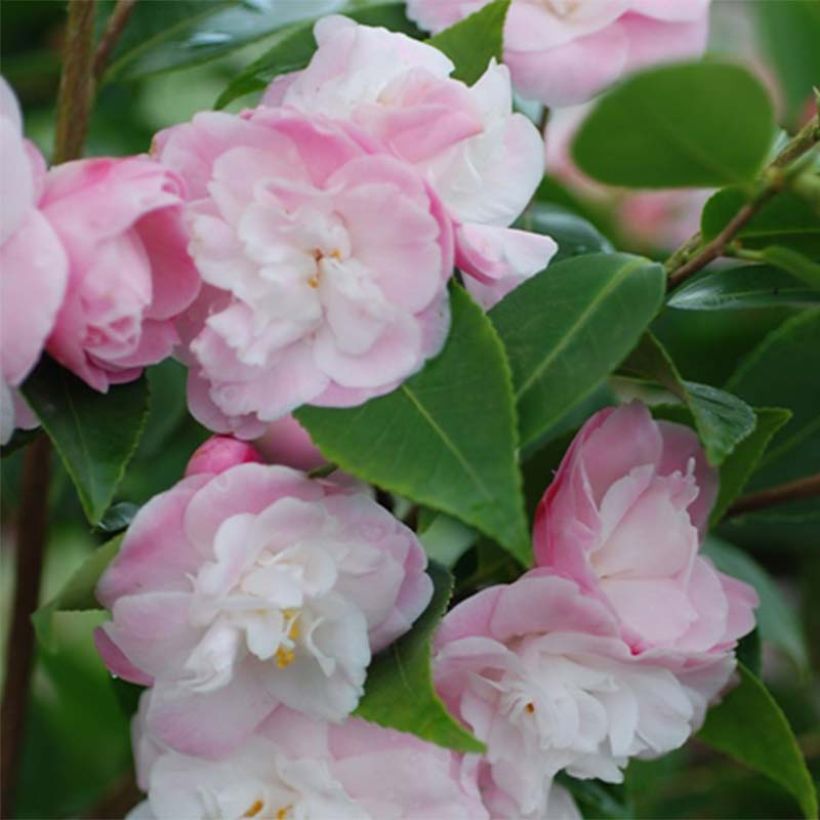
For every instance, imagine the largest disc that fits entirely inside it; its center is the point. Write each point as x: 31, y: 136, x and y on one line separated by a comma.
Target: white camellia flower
x: 237, y: 592
x: 295, y: 768
x: 538, y: 671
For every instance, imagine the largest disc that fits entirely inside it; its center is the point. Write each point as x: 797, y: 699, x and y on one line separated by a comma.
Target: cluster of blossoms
x: 300, y: 253
x: 250, y: 599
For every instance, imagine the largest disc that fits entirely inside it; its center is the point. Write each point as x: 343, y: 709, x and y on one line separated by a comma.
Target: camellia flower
x: 236, y: 592
x: 624, y: 516
x: 538, y: 671
x: 130, y: 276
x: 295, y: 767
x: 33, y: 265
x: 326, y: 262
x: 483, y: 160
x: 563, y: 52
x: 287, y: 442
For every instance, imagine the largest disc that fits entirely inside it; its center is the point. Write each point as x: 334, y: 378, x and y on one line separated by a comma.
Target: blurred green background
x: 77, y: 757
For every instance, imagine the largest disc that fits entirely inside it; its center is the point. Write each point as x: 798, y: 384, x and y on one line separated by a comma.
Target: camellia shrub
x: 415, y: 414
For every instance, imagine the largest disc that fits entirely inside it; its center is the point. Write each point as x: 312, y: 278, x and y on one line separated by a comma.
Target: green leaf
x: 742, y: 461
x: 784, y: 369
x: 292, y: 48
x: 168, y: 35
x: 399, y: 691
x: 790, y: 33
x: 721, y: 419
x: 575, y: 236
x: 598, y: 800
x: 445, y: 438
x: 749, y: 726
x: 776, y: 619
x: 567, y: 328
x: 795, y: 263
x: 749, y: 651
x: 474, y: 41
x: 445, y: 539
x: 686, y: 125
x: 784, y: 220
x: 78, y: 593
x: 742, y: 288
x: 95, y: 434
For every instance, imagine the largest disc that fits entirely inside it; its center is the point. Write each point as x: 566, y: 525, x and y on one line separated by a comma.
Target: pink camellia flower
x: 287, y: 442
x: 33, y: 265
x: 220, y: 453
x: 624, y: 516
x: 130, y: 276
x: 296, y: 767
x: 326, y: 262
x: 538, y: 671
x: 238, y: 591
x: 563, y: 52
x: 483, y: 160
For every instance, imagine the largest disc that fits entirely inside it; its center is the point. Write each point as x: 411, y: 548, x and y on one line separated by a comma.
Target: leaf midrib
x: 569, y: 335
x: 448, y: 442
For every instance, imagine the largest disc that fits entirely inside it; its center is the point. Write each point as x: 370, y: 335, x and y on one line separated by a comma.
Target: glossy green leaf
x: 399, y: 691
x: 77, y: 595
x: 292, y: 48
x: 742, y: 288
x: 95, y: 434
x: 445, y: 539
x: 474, y: 41
x: 567, y: 328
x: 795, y: 263
x: 784, y: 370
x: 790, y: 33
x: 786, y: 220
x: 776, y: 618
x: 575, y: 235
x: 598, y: 800
x: 749, y: 726
x: 687, y: 125
x: 721, y: 419
x: 445, y: 438
x: 742, y: 461
x: 168, y: 35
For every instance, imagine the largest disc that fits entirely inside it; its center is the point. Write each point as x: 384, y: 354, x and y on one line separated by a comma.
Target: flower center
x: 561, y: 8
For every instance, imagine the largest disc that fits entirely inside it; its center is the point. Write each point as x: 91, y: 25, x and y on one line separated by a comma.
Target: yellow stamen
x: 530, y: 707
x: 284, y: 657
x: 281, y: 814
x: 255, y: 808
x: 313, y: 282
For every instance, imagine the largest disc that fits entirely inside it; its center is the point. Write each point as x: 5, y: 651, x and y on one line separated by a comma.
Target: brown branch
x: 693, y: 256
x: 808, y: 487
x: 76, y: 82
x: 113, y: 30
x: 715, y: 247
x: 73, y: 109
x: 30, y: 548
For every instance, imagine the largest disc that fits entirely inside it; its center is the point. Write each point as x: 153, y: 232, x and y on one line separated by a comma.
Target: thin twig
x: 76, y: 82
x: 808, y: 487
x: 715, y: 247
x: 693, y: 256
x: 73, y: 109
x: 113, y: 30
x: 30, y: 548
